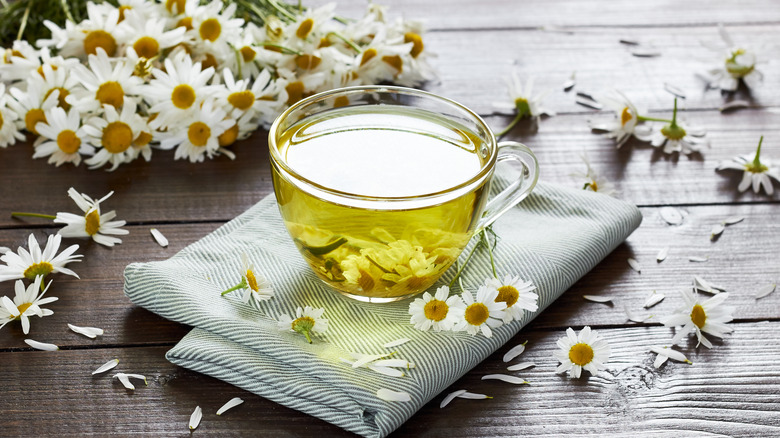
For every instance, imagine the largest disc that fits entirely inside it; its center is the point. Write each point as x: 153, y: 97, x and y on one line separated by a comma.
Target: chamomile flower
x: 482, y: 313
x: 516, y: 293
x: 148, y: 35
x: 104, y: 83
x: 27, y: 302
x: 60, y: 80
x: 524, y: 102
x: 757, y: 173
x: 214, y: 27
x: 178, y: 91
x: 307, y: 320
x: 438, y: 312
x: 312, y: 22
x: 31, y: 105
x: 142, y: 144
x: 593, y: 181
x: 62, y: 138
x: 84, y: 38
x: 240, y: 130
x: 586, y: 350
x: 626, y: 124
x: 199, y: 136
x: 9, y: 121
x: 113, y: 134
x: 261, y: 99
x: 92, y: 224
x: 34, y: 263
x: 674, y: 137
x: 738, y: 63
x: 246, y: 63
x: 708, y: 317
x: 142, y: 8
x: 253, y: 283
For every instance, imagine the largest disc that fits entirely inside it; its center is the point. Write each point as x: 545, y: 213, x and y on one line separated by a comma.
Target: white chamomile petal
x: 393, y: 396
x: 520, y: 366
x: 232, y: 403
x: 598, y: 298
x: 111, y: 364
x: 635, y: 265
x: 766, y: 290
x: 396, y: 343
x: 450, y: 397
x: 662, y: 254
x: 515, y: 351
x: 158, y: 237
x: 653, y: 299
x: 505, y: 378
x: 195, y: 418
x: 90, y: 332
x: 41, y: 345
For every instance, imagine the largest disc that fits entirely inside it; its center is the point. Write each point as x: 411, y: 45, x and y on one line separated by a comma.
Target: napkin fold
x: 553, y: 238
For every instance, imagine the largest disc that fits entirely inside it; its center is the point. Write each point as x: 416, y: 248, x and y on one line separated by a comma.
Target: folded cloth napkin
x: 553, y: 238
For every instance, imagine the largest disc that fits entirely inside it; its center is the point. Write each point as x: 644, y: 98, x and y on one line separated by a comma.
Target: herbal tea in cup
x: 381, y: 188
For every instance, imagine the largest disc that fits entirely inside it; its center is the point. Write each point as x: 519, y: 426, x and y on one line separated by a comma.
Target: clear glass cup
x: 382, y: 187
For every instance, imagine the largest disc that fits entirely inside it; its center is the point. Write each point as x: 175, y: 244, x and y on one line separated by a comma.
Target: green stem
x: 241, y: 285
x: 674, y: 115
x: 66, y: 9
x: 510, y: 125
x: 281, y: 10
x: 756, y: 161
x: 23, y: 214
x: 306, y: 333
x: 23, y: 24
x: 490, y: 251
x: 252, y: 7
x: 349, y: 42
x: 460, y: 269
x: 651, y: 119
x: 282, y: 48
x: 239, y: 60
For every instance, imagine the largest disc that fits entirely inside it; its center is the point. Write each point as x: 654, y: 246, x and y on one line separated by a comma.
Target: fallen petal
x: 90, y: 332
x: 195, y: 418
x: 473, y: 396
x: 586, y: 96
x: 645, y: 52
x: 232, y: 403
x: 568, y: 85
x: 124, y: 380
x: 671, y: 354
x: 521, y: 366
x: 676, y: 91
x: 390, y: 372
x: 396, y: 343
x: 367, y: 358
x: 158, y: 237
x: 697, y: 259
x: 716, y: 231
x: 662, y: 254
x: 635, y: 265
x: 505, y: 378
x: 629, y: 41
x: 653, y: 299
x: 450, y: 397
x: 587, y: 102
x: 766, y: 290
x: 41, y: 345
x: 733, y: 220
x: 734, y: 104
x: 515, y: 351
x: 671, y: 215
x: 597, y: 298
x: 106, y: 366
x: 633, y: 317
x: 393, y: 396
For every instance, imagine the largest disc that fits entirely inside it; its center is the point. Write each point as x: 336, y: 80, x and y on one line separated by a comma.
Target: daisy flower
x: 516, y: 293
x: 103, y: 83
x: 706, y: 317
x: 26, y: 303
x: 439, y: 311
x: 84, y: 38
x: 19, y: 61
x: 34, y: 263
x: 99, y: 227
x: 246, y: 63
x: 585, y: 350
x: 260, y: 100
x: 240, y: 130
x: 213, y: 27
x: 142, y: 144
x: 9, y: 121
x: 307, y: 320
x: 113, y: 134
x: 524, y: 101
x: 148, y: 36
x: 739, y: 63
x: 481, y: 314
x: 31, y: 105
x: 55, y: 79
x: 253, y: 283
x: 178, y: 91
x: 199, y: 136
x: 593, y: 181
x: 758, y: 174
x: 62, y: 139
x: 626, y: 122
x: 675, y: 138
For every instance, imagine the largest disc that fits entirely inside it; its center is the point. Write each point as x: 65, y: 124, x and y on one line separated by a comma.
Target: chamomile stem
x: 490, y: 251
x: 281, y: 10
x: 652, y: 119
x: 241, y: 285
x: 23, y: 24
x: 283, y: 49
x: 465, y: 262
x: 308, y: 337
x: 756, y: 161
x: 510, y: 125
x: 349, y: 42
x: 66, y: 9
x: 23, y: 214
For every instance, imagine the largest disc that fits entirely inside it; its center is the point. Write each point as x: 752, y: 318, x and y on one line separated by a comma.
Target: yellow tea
x: 352, y: 211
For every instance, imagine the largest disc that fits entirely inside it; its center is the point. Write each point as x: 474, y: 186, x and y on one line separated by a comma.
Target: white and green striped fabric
x: 553, y: 238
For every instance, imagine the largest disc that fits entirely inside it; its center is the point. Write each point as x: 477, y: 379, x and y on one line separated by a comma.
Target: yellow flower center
x: 68, y: 142
x: 23, y: 307
x: 122, y: 10
x: 698, y: 316
x: 477, y: 314
x: 307, y: 62
x: 185, y: 22
x: 199, y: 134
x: 294, y: 92
x: 1, y: 120
x: 247, y: 53
x: 340, y: 101
x: 251, y: 280
x: 210, y: 29
x: 625, y: 116
x: 102, y: 39
x: 508, y: 294
x: 117, y: 137
x: 395, y: 61
x: 417, y: 43
x: 183, y: 96
x: 242, y: 100
x: 324, y: 42
x: 32, y: 118
x: 436, y: 310
x: 179, y: 4
x: 581, y: 354
x: 146, y: 47
x: 42, y: 268
x: 143, y: 139
x: 367, y: 56
x: 92, y: 222
x: 40, y: 70
x: 110, y: 93
x: 229, y: 136
x: 304, y: 29
x: 60, y: 98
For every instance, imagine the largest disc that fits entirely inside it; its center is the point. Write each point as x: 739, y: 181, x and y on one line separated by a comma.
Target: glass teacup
x: 382, y: 187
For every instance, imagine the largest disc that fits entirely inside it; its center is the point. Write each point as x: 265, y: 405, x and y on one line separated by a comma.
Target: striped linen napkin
x: 553, y: 238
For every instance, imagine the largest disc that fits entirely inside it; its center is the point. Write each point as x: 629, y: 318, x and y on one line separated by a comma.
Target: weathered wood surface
x: 730, y: 390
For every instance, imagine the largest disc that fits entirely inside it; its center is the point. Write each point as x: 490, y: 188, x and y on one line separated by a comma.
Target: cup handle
x: 519, y: 189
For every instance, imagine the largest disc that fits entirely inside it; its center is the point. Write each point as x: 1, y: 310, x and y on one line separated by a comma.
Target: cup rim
x: 277, y: 160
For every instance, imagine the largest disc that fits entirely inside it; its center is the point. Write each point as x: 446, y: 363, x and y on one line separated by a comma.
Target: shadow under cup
x: 381, y: 188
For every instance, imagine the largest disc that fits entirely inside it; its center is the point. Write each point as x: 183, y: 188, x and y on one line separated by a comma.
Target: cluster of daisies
x: 671, y: 136
x: 185, y: 76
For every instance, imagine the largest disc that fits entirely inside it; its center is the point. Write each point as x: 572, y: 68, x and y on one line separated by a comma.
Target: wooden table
x: 732, y: 389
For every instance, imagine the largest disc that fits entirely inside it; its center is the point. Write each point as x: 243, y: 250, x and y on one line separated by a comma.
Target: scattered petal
x: 734, y: 104
x: 106, y: 366
x: 586, y: 96
x: 158, y: 237
x: 521, y: 366
x: 393, y: 396
x: 232, y: 403
x: 645, y: 52
x: 697, y: 259
x: 587, y: 102
x: 705, y: 286
x: 766, y: 290
x: 662, y: 254
x: 633, y: 317
x: 505, y: 378
x: 629, y: 42
x: 450, y: 397
x: 669, y: 353
x: 41, y: 345
x: 671, y: 215
x: 473, y: 396
x: 90, y: 332
x: 125, y: 379
x: 635, y: 265
x: 195, y: 418
x: 568, y: 85
x: 517, y: 350
x: 396, y: 343
x: 368, y: 358
x: 733, y: 220
x: 676, y: 91
x: 716, y: 231
x: 598, y: 298
x: 653, y: 299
